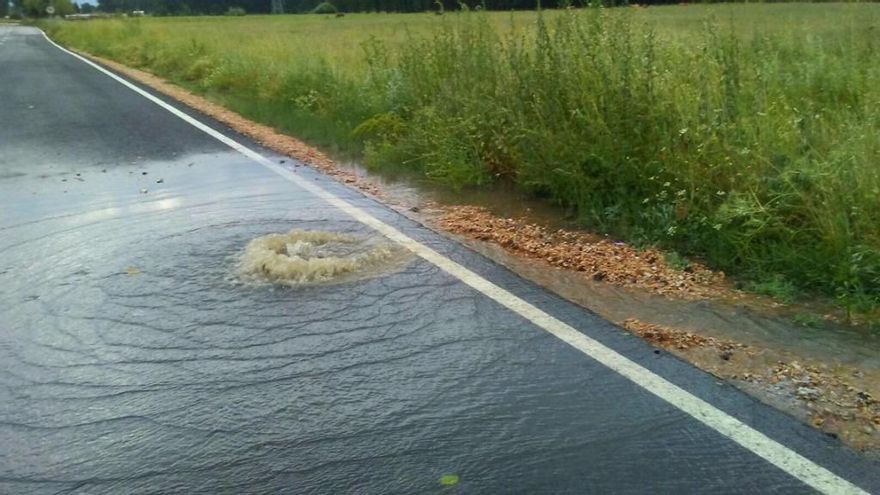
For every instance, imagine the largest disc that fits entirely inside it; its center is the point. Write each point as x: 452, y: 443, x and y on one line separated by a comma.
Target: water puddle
x: 503, y: 200
x: 302, y: 257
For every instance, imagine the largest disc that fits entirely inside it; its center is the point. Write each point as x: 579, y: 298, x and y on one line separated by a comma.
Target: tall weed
x: 752, y: 144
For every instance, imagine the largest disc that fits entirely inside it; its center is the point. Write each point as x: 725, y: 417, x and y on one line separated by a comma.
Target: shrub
x: 756, y: 153
x: 235, y: 11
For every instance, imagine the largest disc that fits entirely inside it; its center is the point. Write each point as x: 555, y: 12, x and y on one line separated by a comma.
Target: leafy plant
x: 751, y: 142
x: 776, y: 287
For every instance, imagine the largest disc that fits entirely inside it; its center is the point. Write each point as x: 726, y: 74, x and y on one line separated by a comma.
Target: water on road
x: 134, y: 360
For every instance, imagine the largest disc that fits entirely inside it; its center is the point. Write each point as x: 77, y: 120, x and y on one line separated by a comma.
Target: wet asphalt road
x: 133, y: 361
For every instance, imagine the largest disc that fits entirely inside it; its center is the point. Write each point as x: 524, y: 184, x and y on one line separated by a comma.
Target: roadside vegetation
x: 747, y: 136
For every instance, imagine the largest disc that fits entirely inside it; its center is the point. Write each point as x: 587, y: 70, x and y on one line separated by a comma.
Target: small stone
x: 144, y: 191
x: 807, y: 393
x: 143, y: 173
x: 160, y: 181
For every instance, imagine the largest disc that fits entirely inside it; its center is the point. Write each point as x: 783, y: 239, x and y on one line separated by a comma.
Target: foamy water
x: 312, y: 256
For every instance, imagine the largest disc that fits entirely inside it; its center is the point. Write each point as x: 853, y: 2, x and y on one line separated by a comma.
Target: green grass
x: 676, y: 260
x: 807, y: 320
x: 744, y: 135
x: 776, y: 287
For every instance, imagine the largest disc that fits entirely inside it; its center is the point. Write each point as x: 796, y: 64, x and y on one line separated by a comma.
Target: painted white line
x: 772, y: 451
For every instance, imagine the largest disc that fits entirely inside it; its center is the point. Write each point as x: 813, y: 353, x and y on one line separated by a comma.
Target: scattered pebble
x: 160, y: 181
x: 144, y: 191
x: 822, y: 394
x: 601, y: 259
x: 807, y: 393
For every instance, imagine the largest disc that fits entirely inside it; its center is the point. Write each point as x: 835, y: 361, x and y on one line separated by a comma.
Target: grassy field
x: 747, y: 135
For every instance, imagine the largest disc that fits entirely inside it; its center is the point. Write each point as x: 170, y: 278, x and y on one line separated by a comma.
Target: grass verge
x: 711, y: 131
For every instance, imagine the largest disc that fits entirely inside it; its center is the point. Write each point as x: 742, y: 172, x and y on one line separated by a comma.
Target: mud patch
x: 302, y: 257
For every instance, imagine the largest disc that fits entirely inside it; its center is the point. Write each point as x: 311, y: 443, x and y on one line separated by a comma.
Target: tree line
x: 215, y: 7
x: 218, y: 7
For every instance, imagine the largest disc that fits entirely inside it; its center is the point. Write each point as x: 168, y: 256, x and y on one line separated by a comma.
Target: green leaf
x: 449, y: 479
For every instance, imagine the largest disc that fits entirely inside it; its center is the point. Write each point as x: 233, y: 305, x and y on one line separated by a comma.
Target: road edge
x: 758, y: 443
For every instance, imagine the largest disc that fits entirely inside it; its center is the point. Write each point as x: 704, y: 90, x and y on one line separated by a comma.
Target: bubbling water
x: 302, y: 257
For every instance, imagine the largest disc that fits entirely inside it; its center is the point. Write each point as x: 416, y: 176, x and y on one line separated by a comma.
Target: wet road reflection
x: 134, y: 360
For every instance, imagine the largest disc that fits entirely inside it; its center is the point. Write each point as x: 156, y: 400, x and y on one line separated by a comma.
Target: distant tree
x: 34, y: 8
x: 4, y: 8
x: 37, y: 8
x: 87, y: 8
x: 62, y: 7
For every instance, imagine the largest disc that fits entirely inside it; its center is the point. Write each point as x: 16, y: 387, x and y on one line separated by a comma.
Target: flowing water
x: 302, y: 257
x: 750, y: 320
x: 133, y: 359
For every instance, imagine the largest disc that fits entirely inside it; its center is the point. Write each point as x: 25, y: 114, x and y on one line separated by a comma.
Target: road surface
x: 132, y: 360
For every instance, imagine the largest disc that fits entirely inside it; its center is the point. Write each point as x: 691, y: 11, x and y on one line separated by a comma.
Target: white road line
x: 772, y: 451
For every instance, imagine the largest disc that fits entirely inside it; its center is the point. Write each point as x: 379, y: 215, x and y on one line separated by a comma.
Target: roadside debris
x: 839, y: 399
x: 598, y: 258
